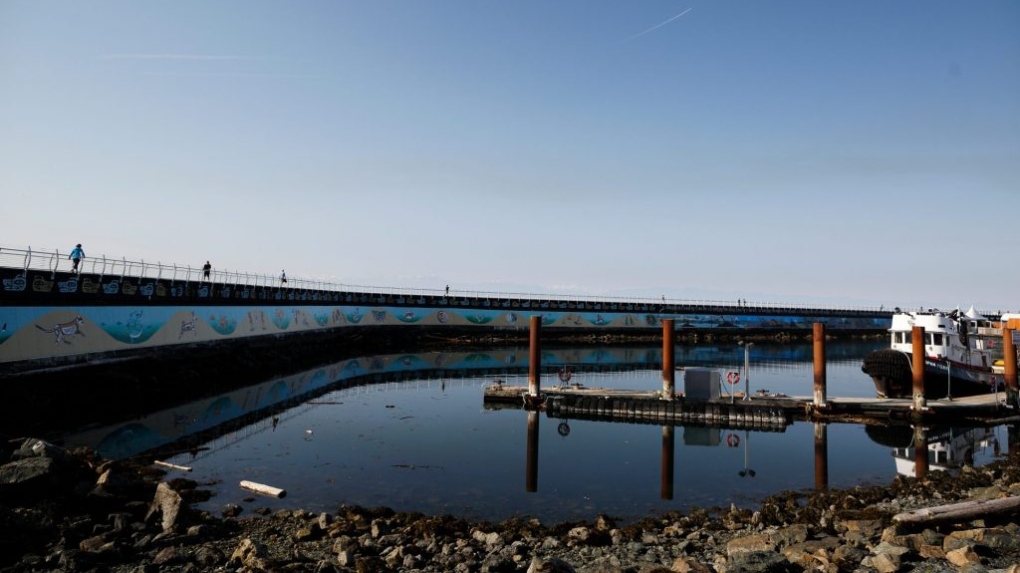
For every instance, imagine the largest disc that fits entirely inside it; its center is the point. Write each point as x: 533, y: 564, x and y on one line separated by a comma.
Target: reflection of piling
x: 821, y: 456
x: 531, y: 465
x: 666, y: 485
x: 920, y: 452
x: 668, y: 360
x: 917, y: 350
x: 1010, y: 374
x: 1013, y: 440
x: 535, y: 358
x: 819, y: 345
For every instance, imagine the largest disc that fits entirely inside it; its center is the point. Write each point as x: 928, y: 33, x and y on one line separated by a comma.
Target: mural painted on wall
x: 28, y: 333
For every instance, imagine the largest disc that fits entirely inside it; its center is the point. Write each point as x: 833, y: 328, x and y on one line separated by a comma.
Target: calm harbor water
x: 426, y: 442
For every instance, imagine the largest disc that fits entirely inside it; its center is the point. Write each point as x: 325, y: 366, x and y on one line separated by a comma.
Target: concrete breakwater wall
x: 52, y: 317
x: 54, y: 332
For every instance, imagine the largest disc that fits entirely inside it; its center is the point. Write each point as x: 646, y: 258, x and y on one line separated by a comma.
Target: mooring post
x: 1010, y: 374
x: 531, y: 465
x: 668, y: 449
x: 917, y: 351
x: 920, y: 452
x: 821, y: 456
x: 818, y: 334
x: 668, y: 360
x: 535, y: 358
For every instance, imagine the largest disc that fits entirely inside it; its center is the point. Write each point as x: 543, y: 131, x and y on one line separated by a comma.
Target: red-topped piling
x: 1010, y: 368
x: 818, y: 335
x: 668, y: 360
x: 917, y: 350
x: 535, y: 358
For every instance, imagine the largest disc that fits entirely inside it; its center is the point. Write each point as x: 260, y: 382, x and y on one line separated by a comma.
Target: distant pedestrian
x: 77, y: 254
x: 447, y: 290
x: 283, y: 277
x: 206, y: 269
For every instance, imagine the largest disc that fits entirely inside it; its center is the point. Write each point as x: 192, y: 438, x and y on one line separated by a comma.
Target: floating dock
x: 760, y: 412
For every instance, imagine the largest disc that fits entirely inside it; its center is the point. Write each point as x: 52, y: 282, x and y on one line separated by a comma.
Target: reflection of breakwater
x: 247, y: 405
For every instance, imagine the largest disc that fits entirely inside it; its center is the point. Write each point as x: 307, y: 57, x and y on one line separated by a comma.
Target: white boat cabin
x: 964, y: 338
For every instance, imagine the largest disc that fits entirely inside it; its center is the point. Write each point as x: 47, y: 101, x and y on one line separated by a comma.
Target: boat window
x: 936, y: 339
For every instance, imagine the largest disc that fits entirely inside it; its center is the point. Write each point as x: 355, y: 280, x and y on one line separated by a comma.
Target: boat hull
x: 892, y: 373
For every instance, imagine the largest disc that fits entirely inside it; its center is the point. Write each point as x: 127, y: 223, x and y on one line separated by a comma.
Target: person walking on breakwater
x: 77, y: 254
x: 283, y: 277
x: 206, y: 269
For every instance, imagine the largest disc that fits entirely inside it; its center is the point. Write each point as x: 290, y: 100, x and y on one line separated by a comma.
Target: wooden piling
x: 1010, y: 368
x: 917, y: 349
x: 535, y: 358
x: 668, y: 360
x: 818, y: 335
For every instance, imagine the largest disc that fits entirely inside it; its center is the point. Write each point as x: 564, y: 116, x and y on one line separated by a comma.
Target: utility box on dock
x: 701, y: 384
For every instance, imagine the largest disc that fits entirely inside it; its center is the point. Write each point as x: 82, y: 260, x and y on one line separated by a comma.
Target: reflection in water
x: 531, y: 466
x: 747, y: 471
x: 668, y: 454
x: 407, y: 431
x: 821, y: 456
x: 919, y: 450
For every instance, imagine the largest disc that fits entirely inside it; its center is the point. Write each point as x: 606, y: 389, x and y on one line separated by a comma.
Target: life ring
x: 732, y: 378
x: 732, y: 440
x: 563, y: 429
x: 565, y: 375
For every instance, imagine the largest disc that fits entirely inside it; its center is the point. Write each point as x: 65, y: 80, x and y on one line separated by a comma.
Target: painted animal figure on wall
x: 188, y: 326
x: 61, y: 331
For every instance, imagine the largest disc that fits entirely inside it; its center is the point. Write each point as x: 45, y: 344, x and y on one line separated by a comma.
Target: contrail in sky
x: 634, y: 37
x: 170, y: 57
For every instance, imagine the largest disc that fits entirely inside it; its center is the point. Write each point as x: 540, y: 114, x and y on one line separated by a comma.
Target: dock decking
x: 756, y: 412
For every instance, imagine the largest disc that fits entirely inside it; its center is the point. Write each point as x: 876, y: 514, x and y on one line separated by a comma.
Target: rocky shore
x: 68, y: 510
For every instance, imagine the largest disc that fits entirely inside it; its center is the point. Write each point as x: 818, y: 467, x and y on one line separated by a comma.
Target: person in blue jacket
x: 77, y: 254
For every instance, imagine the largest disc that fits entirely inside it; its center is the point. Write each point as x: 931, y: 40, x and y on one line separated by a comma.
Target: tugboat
x: 960, y: 353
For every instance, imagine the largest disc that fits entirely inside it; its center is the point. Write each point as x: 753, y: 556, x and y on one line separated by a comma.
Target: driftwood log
x: 263, y: 488
x: 960, y: 512
x: 172, y: 466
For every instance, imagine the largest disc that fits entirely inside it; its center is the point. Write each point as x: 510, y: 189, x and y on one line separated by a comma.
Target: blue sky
x: 852, y: 152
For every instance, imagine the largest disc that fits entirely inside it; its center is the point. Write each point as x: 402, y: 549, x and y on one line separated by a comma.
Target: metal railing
x: 55, y: 260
